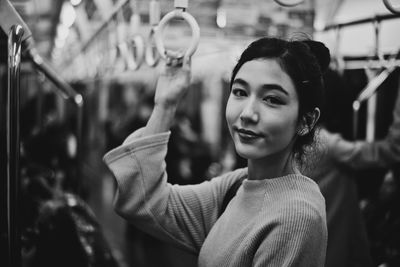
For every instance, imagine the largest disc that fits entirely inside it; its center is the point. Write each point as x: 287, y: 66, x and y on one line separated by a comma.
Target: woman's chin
x: 248, y: 153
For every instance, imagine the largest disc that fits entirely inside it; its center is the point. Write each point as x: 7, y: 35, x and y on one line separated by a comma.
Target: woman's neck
x: 273, y: 166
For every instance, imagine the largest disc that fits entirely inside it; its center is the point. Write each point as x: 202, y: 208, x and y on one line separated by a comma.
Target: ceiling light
x: 221, y: 18
x: 68, y: 14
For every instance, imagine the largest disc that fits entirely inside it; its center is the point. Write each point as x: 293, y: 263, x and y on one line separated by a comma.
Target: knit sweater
x: 270, y: 222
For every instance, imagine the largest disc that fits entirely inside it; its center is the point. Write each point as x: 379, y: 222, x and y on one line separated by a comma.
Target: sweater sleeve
x: 298, y: 240
x: 182, y: 215
x: 362, y: 154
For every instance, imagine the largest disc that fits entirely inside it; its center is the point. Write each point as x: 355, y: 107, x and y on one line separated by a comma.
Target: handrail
x: 390, y: 7
x: 66, y: 90
x: 289, y: 3
x: 99, y: 30
x: 360, y: 21
x: 368, y: 63
x: 10, y: 17
x: 135, y: 42
x: 178, y: 13
x: 372, y: 86
x: 151, y: 55
x: 13, y: 145
x: 370, y: 89
x: 7, y: 14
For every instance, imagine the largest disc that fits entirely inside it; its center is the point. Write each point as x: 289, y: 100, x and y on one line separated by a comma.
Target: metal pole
x: 361, y: 21
x: 69, y: 94
x: 118, y: 7
x: 13, y: 145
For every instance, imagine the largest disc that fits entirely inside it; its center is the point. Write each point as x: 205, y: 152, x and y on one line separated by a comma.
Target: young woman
x: 277, y: 217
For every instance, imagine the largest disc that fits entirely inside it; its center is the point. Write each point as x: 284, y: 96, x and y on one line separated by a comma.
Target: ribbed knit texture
x: 271, y: 222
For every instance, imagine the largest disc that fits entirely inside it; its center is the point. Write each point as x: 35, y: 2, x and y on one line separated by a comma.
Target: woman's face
x: 262, y: 110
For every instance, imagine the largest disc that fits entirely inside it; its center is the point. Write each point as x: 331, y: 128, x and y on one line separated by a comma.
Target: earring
x: 303, y: 131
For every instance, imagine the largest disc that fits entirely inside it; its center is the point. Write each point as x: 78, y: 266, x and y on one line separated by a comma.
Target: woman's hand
x: 172, y: 84
x: 173, y: 81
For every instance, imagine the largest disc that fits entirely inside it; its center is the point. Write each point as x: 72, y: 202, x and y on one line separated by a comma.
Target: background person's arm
x: 363, y: 154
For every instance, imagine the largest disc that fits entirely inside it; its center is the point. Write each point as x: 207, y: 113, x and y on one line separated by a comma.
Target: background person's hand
x: 173, y: 81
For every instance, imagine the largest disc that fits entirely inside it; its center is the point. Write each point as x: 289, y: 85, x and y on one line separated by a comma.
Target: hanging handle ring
x: 151, y: 55
x: 178, y: 13
x: 289, y: 3
x: 136, y: 45
x: 390, y: 7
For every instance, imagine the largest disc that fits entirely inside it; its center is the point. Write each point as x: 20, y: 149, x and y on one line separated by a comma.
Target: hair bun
x: 321, y: 52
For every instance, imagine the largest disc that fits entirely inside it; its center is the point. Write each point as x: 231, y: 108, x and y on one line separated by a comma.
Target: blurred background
x: 85, y: 84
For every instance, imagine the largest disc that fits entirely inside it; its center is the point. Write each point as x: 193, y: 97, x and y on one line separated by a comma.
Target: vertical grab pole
x: 78, y: 100
x: 13, y: 145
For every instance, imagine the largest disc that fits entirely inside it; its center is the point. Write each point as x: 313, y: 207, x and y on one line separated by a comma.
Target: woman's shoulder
x: 304, y: 200
x: 230, y: 177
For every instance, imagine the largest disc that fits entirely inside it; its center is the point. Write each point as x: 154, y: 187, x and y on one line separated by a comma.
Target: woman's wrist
x: 166, y: 105
x: 161, y: 119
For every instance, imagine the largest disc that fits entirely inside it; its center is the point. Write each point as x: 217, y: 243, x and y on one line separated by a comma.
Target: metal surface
x: 366, y: 94
x: 362, y: 21
x: 104, y: 25
x: 10, y: 17
x: 180, y: 14
x: 388, y: 4
x: 68, y: 93
x: 13, y: 145
x: 66, y: 90
x: 289, y: 3
x: 152, y: 56
x: 136, y: 50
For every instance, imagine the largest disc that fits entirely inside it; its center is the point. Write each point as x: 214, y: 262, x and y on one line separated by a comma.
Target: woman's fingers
x: 174, y: 58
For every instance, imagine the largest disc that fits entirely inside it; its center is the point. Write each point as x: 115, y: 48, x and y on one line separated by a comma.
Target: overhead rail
x: 377, y: 18
x: 369, y: 92
x: 128, y: 48
x: 110, y: 19
x: 353, y: 63
x: 375, y: 61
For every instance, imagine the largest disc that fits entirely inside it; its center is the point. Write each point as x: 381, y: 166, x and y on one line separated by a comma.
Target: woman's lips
x: 248, y: 135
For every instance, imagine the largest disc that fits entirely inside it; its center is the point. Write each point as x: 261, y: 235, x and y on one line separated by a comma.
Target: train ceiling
x: 43, y: 16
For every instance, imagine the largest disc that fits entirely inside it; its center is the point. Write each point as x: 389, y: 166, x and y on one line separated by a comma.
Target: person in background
x: 338, y: 158
x: 347, y: 236
x: 277, y: 217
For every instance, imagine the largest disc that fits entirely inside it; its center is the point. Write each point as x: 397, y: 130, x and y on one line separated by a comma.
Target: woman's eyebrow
x: 268, y: 86
x: 240, y: 81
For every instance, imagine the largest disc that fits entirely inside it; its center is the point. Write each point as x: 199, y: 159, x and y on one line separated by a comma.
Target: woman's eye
x: 238, y: 92
x: 273, y: 100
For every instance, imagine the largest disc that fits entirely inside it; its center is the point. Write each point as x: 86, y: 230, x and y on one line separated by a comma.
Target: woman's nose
x: 249, y: 112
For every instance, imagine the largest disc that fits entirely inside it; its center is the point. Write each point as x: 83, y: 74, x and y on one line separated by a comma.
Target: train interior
x: 78, y: 76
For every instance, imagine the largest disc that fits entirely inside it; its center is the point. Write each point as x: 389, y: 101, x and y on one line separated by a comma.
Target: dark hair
x: 304, y: 61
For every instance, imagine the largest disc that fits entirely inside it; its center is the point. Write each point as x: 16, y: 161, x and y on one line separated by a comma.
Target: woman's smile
x: 247, y: 135
x: 262, y: 109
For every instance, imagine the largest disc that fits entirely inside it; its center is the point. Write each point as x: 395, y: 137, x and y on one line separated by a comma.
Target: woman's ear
x: 308, y: 122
